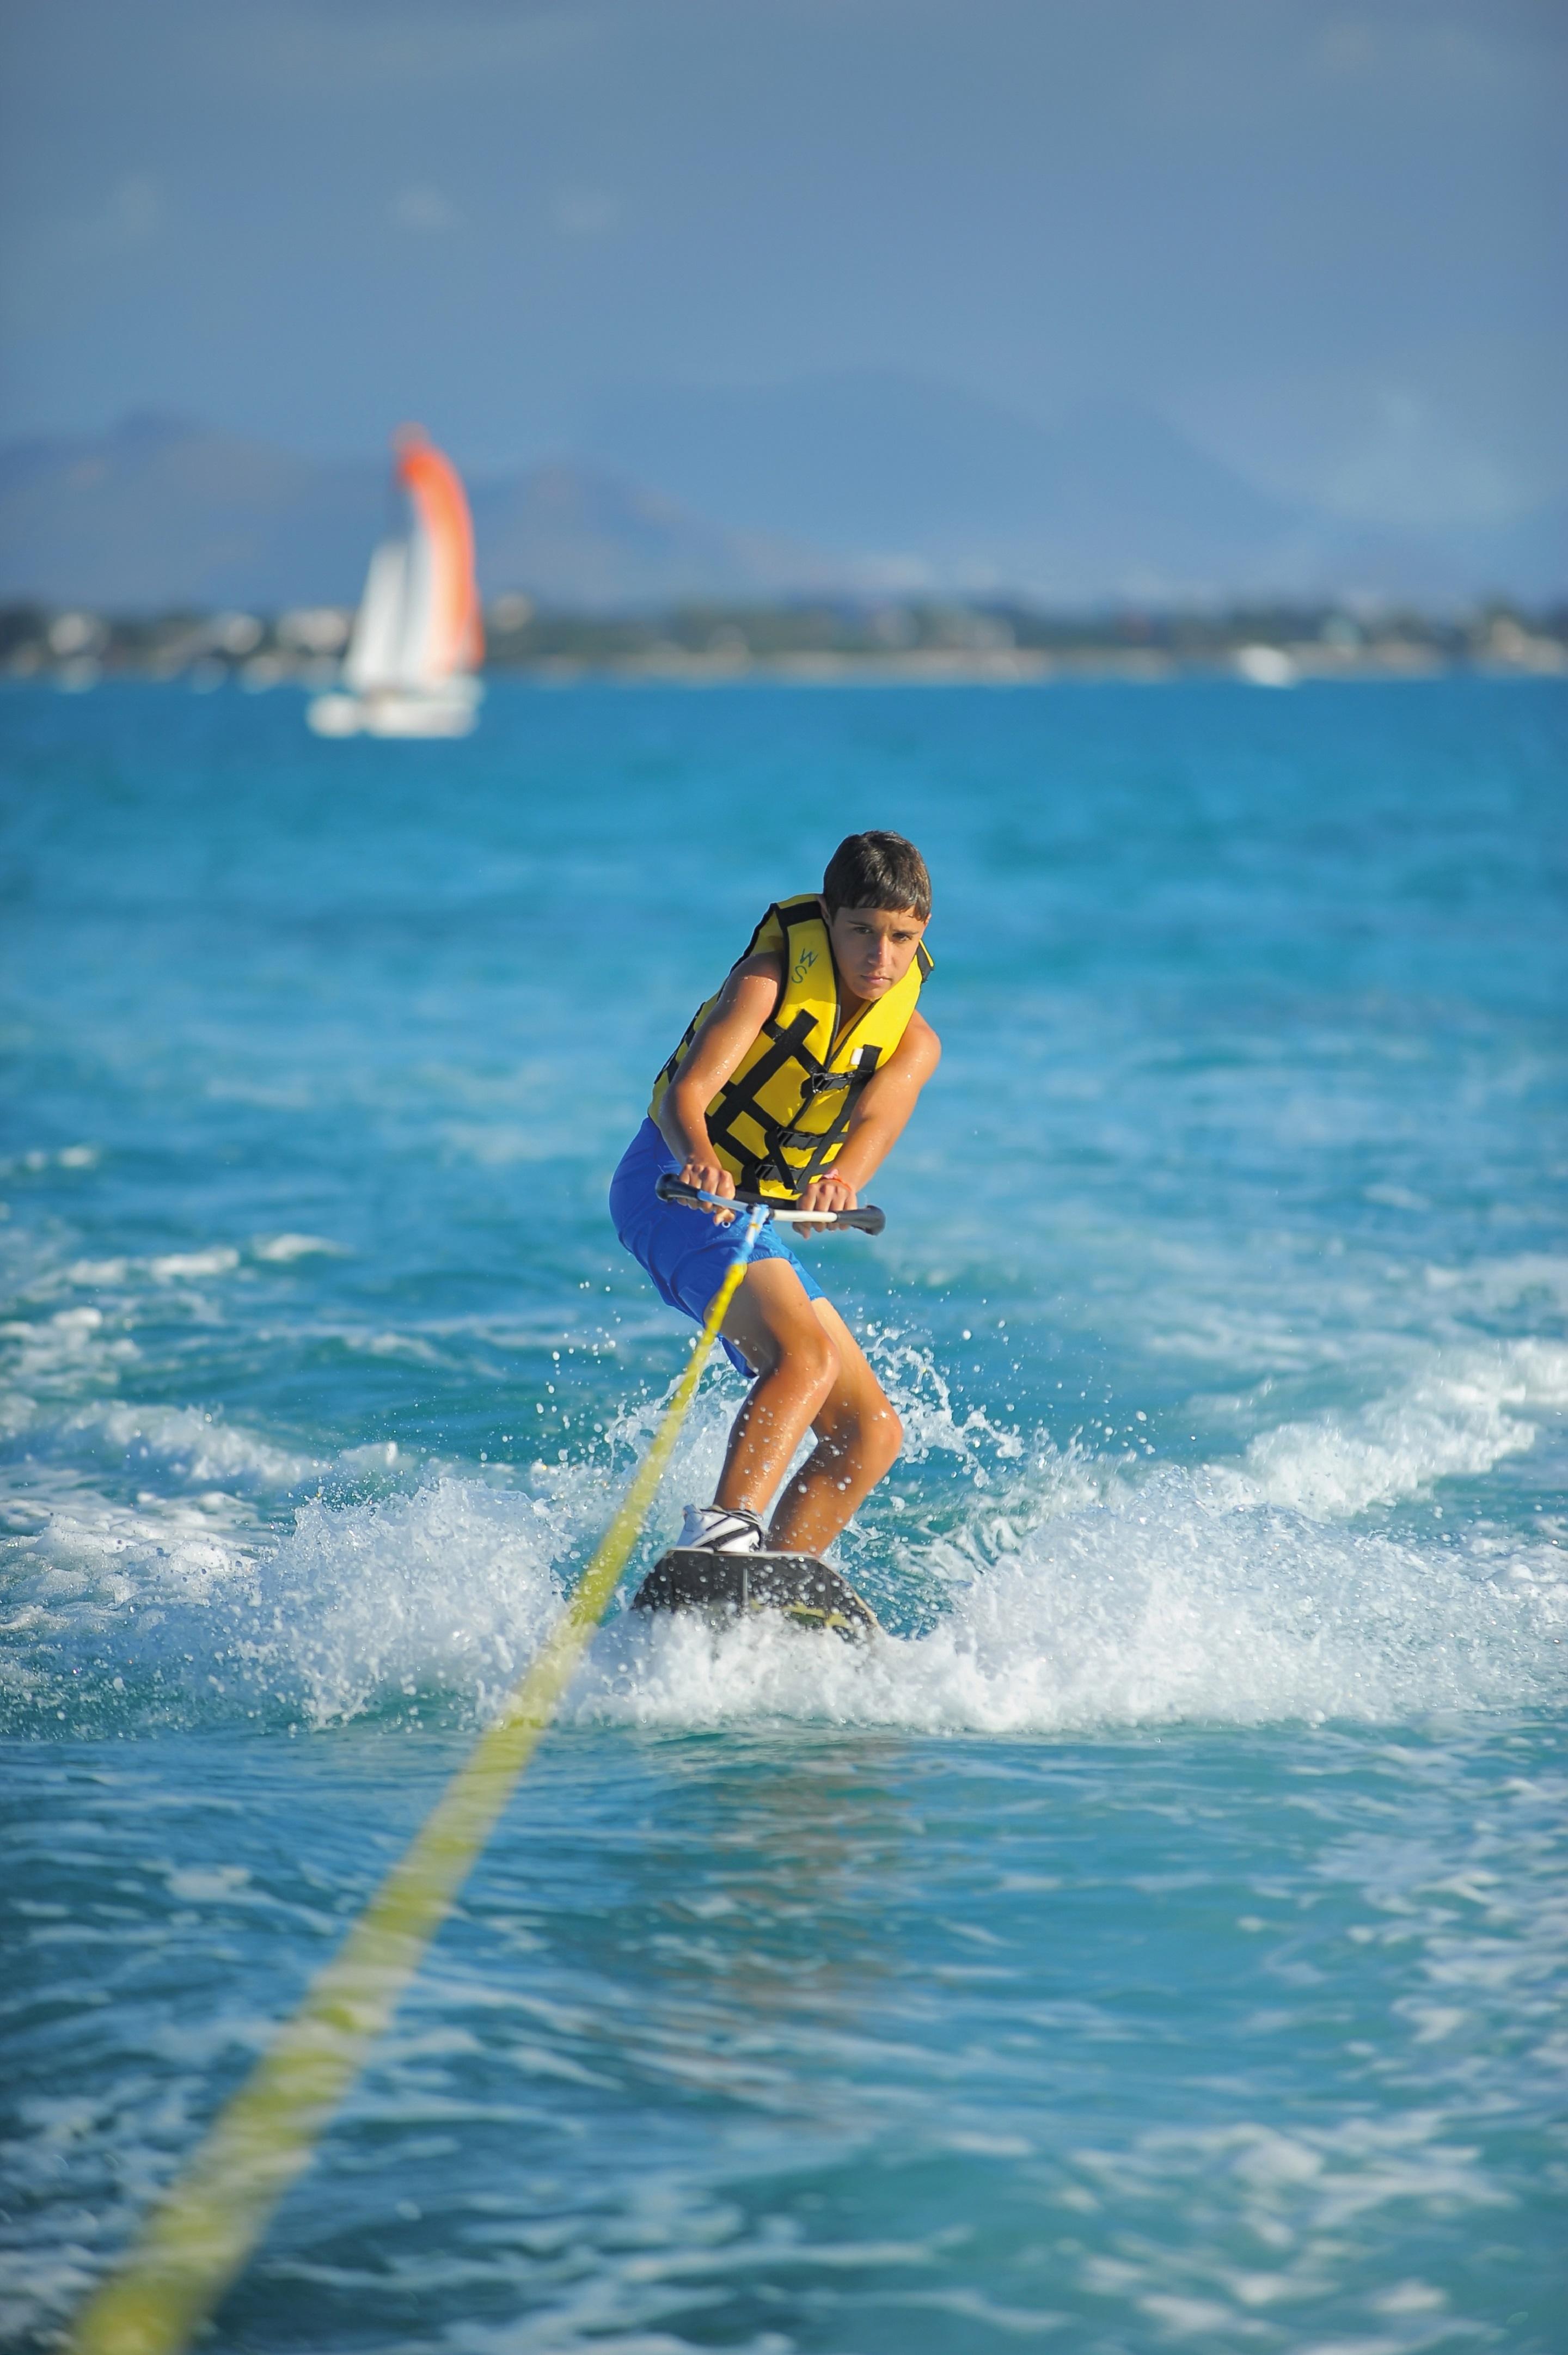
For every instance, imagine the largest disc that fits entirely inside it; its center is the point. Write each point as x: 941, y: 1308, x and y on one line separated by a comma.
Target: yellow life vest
x: 780, y: 1120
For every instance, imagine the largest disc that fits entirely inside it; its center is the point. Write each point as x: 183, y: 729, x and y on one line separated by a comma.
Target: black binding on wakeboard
x: 809, y: 1592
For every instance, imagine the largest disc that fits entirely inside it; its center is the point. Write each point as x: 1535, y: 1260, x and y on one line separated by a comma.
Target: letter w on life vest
x: 802, y: 965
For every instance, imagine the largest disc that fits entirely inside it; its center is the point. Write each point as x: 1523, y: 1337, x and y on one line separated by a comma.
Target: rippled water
x: 1159, y: 1941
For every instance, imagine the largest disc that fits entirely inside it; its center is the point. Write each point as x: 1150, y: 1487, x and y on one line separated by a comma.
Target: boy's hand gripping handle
x: 869, y: 1220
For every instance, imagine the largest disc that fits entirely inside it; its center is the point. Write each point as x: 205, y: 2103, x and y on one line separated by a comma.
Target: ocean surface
x: 1159, y: 1941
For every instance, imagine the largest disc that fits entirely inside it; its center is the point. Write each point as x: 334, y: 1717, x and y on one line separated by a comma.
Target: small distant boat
x: 418, y: 640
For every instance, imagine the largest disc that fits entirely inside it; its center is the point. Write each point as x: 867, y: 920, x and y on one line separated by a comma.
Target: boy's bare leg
x: 858, y: 1437
x: 770, y: 1323
x: 813, y: 1373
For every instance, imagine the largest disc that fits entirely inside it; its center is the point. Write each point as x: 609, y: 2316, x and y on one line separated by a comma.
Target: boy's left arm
x: 879, y: 1119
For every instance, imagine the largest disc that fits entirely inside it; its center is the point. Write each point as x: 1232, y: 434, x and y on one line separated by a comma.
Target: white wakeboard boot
x: 719, y: 1529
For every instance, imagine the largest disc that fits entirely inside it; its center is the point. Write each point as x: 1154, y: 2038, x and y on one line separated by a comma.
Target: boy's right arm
x: 744, y: 1004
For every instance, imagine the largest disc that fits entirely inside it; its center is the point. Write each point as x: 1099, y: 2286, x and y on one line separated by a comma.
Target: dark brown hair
x: 877, y: 870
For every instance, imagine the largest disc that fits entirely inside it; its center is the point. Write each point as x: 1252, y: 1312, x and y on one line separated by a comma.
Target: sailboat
x: 418, y: 640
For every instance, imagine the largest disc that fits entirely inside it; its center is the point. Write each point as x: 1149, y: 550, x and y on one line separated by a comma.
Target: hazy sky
x: 1327, y: 237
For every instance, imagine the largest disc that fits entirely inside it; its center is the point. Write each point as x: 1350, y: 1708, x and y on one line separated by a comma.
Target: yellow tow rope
x: 205, y: 2227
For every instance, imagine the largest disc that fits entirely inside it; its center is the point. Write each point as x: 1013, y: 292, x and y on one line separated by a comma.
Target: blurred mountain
x: 937, y: 481
x: 871, y: 484
x: 158, y: 513
x: 1526, y: 556
x: 161, y: 515
x: 923, y: 485
x: 585, y: 538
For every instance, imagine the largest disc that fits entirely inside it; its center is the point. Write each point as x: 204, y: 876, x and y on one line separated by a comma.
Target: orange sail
x: 455, y: 640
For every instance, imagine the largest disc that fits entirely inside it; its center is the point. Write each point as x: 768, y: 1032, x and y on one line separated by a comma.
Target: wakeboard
x: 807, y: 1592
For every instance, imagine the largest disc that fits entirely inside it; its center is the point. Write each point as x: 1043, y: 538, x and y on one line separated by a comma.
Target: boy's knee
x: 882, y: 1436
x: 817, y: 1360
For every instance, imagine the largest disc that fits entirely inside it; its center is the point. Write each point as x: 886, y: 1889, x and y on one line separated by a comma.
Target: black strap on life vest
x: 737, y: 1099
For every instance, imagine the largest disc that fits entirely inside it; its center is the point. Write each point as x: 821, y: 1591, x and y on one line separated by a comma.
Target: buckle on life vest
x: 825, y: 1084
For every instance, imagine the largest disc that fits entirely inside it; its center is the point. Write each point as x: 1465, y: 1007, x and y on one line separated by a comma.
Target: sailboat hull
x: 449, y: 711
x: 334, y: 715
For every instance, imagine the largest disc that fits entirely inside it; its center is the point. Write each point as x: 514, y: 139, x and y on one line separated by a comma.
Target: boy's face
x: 873, y: 947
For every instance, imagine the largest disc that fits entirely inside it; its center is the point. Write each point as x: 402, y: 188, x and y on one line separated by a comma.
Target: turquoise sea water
x: 1160, y: 1943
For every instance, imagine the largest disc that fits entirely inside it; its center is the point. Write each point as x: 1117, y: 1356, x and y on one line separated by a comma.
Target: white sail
x: 372, y: 659
x: 415, y: 661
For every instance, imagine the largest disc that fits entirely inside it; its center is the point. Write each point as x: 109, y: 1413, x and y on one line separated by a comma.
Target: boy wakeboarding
x: 794, y: 1080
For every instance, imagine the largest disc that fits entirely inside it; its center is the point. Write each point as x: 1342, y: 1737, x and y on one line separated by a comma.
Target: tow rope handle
x: 867, y: 1220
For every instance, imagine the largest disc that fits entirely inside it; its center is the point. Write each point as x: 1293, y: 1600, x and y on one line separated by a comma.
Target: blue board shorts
x: 683, y: 1250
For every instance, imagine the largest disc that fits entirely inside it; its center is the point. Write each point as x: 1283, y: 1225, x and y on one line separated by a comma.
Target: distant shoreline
x: 565, y: 678
x: 809, y: 645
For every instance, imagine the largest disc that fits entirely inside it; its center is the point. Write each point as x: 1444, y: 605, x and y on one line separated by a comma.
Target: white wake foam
x: 1146, y: 1612
x: 1039, y: 1591
x: 447, y: 1591
x: 1456, y: 1418
x: 185, y: 1444
x: 60, y: 1355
